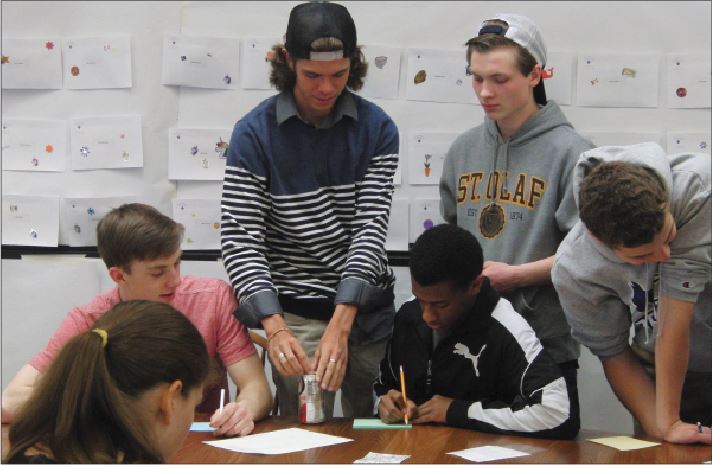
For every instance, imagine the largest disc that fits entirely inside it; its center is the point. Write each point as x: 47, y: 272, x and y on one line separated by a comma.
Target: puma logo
x: 462, y: 349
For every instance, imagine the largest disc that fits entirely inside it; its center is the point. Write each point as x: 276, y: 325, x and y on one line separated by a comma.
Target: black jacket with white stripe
x: 492, y: 365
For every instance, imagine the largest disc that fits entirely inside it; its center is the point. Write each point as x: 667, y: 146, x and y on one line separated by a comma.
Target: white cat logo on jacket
x: 462, y: 349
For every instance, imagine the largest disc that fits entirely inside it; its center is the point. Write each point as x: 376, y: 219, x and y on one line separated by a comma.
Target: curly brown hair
x: 623, y: 204
x: 284, y: 78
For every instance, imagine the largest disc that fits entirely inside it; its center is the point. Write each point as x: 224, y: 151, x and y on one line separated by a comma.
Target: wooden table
x: 430, y: 444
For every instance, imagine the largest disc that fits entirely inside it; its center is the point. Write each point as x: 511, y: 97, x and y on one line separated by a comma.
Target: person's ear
x: 288, y: 59
x: 535, y: 76
x: 117, y: 274
x: 168, y: 401
x: 476, y: 284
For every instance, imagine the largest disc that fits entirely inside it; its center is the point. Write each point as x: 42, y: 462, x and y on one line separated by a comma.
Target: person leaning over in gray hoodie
x: 508, y: 180
x: 642, y: 255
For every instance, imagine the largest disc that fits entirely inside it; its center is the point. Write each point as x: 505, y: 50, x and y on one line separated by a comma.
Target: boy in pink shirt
x: 141, y: 249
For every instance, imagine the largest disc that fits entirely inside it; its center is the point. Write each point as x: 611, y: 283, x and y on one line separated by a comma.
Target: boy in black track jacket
x: 469, y: 359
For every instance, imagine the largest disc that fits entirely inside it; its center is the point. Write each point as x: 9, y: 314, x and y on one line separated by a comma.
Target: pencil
x: 405, y: 399
x: 222, y: 399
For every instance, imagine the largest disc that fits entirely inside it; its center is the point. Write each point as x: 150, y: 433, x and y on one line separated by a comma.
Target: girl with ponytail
x: 125, y: 391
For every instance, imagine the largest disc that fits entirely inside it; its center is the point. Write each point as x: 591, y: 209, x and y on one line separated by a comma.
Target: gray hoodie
x: 602, y: 295
x: 516, y: 197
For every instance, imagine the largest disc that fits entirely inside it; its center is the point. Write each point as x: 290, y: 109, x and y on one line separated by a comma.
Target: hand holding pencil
x: 394, y: 407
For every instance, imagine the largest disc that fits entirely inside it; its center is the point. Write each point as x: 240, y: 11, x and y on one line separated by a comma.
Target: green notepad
x: 376, y: 423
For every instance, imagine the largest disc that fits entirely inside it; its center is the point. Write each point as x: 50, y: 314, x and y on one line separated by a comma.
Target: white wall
x: 36, y: 295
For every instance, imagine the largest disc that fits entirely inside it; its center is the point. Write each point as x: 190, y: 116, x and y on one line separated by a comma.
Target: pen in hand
x: 405, y: 399
x: 222, y: 399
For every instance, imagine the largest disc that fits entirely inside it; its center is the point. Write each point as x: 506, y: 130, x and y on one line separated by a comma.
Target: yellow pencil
x: 405, y: 399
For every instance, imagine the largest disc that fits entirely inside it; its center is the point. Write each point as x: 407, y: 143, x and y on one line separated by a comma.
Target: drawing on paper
x: 628, y: 72
x: 427, y: 164
x: 681, y: 92
x: 75, y: 71
x: 380, y: 61
x: 420, y: 77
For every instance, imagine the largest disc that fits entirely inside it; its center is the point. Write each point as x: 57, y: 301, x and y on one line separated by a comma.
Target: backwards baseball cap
x: 315, y: 20
x: 524, y: 32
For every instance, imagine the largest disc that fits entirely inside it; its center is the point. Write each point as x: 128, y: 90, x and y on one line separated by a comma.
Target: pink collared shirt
x: 208, y: 303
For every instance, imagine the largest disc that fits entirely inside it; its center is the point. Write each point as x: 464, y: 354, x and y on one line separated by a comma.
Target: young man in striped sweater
x: 305, y: 206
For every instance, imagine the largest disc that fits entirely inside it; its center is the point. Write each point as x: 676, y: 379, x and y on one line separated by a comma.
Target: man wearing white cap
x: 508, y: 180
x: 305, y: 207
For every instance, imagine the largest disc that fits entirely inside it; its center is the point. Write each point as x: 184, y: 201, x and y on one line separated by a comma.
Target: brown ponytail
x: 83, y: 407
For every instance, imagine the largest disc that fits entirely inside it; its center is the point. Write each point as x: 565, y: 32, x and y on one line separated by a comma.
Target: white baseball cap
x: 521, y: 30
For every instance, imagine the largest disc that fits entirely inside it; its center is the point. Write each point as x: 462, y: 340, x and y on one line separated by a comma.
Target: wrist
x: 273, y: 323
x: 343, y: 318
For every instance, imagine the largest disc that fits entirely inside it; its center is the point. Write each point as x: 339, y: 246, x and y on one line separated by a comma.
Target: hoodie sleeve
x: 539, y: 402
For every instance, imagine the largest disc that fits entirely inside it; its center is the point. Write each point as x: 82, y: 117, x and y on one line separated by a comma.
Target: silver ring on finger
x: 282, y: 357
x: 332, y: 360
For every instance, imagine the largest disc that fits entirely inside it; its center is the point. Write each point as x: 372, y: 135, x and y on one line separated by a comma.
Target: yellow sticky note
x: 624, y: 442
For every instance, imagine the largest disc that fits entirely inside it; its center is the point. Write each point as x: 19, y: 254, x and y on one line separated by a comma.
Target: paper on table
x: 201, y: 427
x: 375, y: 457
x: 283, y: 441
x: 376, y: 423
x: 487, y: 453
x: 31, y: 63
x: 624, y: 442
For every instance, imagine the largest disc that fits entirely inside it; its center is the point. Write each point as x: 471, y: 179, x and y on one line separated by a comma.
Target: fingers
x: 287, y: 355
x: 388, y: 410
x: 234, y: 420
x: 332, y: 370
x: 412, y: 410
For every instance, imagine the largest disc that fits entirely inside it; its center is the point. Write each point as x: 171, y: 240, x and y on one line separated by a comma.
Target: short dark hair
x: 623, y: 204
x: 446, y: 253
x: 284, y: 78
x: 83, y: 408
x: 135, y: 231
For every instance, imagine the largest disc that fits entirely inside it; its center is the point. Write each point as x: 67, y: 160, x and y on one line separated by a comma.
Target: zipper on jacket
x: 429, y: 380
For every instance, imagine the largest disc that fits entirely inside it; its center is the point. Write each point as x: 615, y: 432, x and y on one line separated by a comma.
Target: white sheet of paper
x: 281, y: 441
x: 601, y: 138
x: 558, y: 77
x: 31, y: 63
x: 426, y: 156
x: 397, y: 238
x: 617, y: 80
x: 197, y: 153
x: 424, y: 214
x: 487, y: 453
x: 97, y: 62
x: 201, y: 219
x: 78, y: 217
x: 30, y: 220
x: 34, y: 145
x: 383, y: 72
x: 376, y: 457
x: 207, y: 62
x: 106, y: 142
x: 688, y: 142
x: 438, y: 76
x: 688, y: 80
x: 255, y: 62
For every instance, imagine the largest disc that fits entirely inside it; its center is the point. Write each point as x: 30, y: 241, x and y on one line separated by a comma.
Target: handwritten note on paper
x: 375, y: 457
x: 383, y: 72
x: 201, y: 220
x: 30, y: 220
x: 487, y: 453
x: 207, y: 62
x: 106, y: 142
x: 97, y: 63
x: 377, y: 423
x: 255, y: 62
x: 617, y: 80
x: 426, y: 156
x: 31, y: 63
x: 34, y: 145
x: 438, y: 76
x: 624, y: 442
x: 283, y: 441
x: 688, y: 80
x: 198, y: 154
